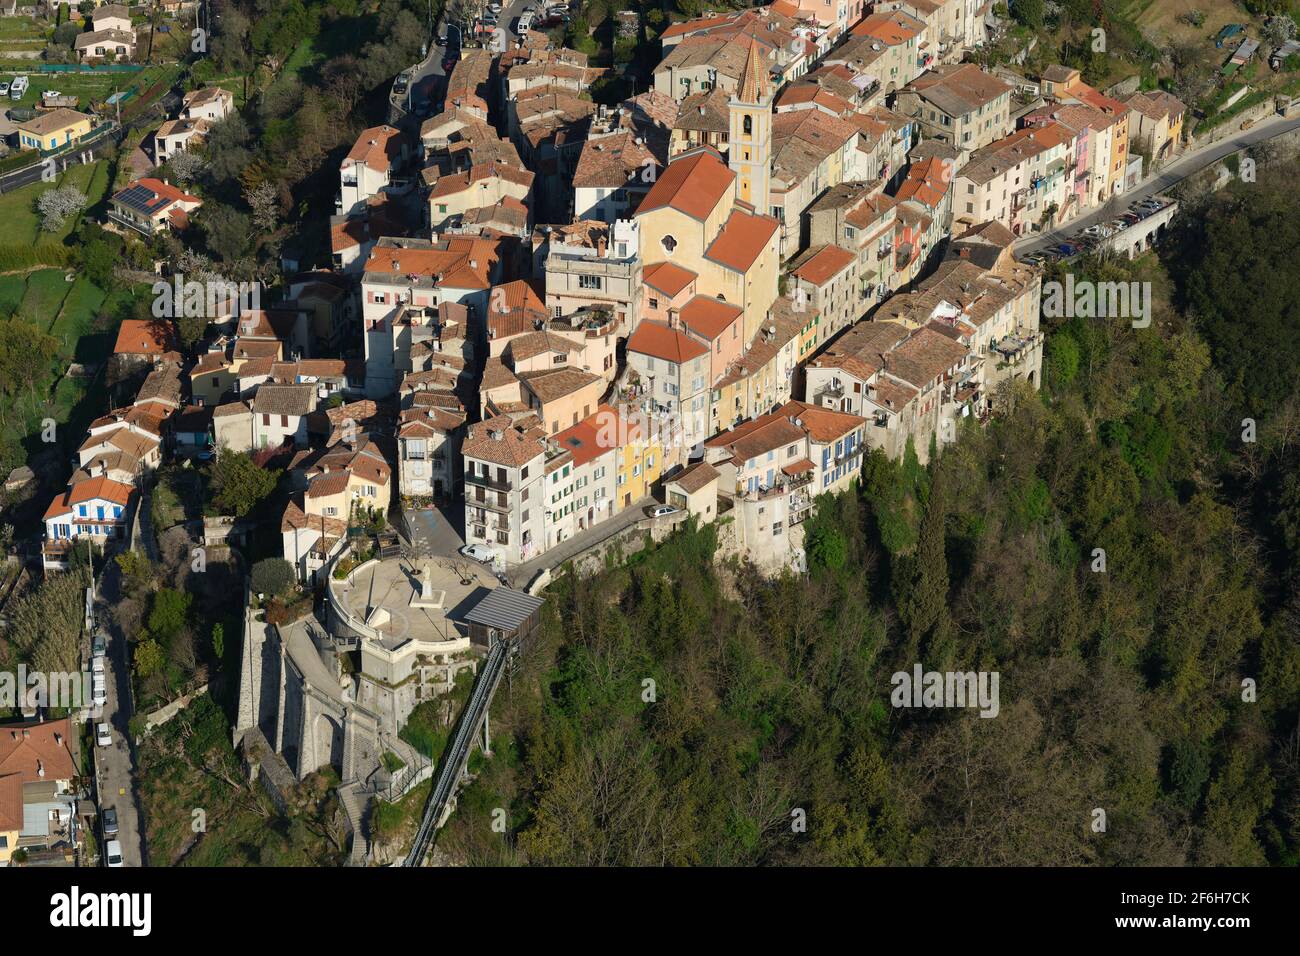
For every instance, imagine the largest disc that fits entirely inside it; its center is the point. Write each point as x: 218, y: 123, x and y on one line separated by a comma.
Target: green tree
x: 219, y: 642
x: 238, y: 485
x: 273, y: 576
x: 149, y: 658
x: 168, y: 613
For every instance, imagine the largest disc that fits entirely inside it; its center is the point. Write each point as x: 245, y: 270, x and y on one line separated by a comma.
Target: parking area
x: 1106, y: 232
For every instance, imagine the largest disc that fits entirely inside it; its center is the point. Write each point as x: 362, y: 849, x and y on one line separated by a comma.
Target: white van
x: 18, y: 88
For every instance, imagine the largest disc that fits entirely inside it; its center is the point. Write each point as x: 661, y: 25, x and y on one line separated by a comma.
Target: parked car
x: 479, y: 552
x: 494, y: 7
x: 97, y: 665
x: 103, y: 736
x: 4, y: 88
x: 99, y: 693
x: 109, y: 820
x: 660, y: 511
x: 113, y: 854
x: 98, y: 646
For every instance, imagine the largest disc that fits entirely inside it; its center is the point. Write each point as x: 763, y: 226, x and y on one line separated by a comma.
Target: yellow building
x: 640, y: 462
x: 710, y: 217
x: 54, y: 129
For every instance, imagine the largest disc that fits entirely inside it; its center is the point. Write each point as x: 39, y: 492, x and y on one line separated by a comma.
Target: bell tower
x: 749, y: 151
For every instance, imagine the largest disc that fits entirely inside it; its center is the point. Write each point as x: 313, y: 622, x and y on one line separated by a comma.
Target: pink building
x: 718, y: 326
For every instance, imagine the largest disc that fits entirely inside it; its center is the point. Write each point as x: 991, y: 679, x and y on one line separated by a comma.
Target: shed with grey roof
x: 504, y: 614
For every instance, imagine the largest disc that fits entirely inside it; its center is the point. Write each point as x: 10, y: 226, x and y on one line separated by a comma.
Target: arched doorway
x: 328, y: 738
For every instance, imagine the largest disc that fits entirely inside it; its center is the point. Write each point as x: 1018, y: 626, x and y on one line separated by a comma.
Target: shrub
x: 272, y: 576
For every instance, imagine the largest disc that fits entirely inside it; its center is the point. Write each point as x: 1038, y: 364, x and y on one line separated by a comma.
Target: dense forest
x: 1162, y: 690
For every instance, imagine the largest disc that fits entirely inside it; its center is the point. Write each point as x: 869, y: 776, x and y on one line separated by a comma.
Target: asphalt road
x: 115, y: 765
x: 1165, y: 178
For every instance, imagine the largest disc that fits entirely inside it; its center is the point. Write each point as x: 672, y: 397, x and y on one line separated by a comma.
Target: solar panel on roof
x: 137, y: 197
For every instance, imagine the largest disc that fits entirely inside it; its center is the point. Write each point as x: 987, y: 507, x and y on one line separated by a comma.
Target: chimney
x: 40, y: 768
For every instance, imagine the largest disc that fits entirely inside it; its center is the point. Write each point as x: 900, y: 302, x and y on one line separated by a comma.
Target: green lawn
x: 11, y: 293
x: 46, y: 290
x: 22, y: 223
x: 23, y: 28
x: 77, y: 317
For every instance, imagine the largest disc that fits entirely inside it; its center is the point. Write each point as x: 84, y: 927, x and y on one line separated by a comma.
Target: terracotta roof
x: 757, y: 437
x: 755, y: 86
x: 892, y: 28
x: 531, y: 344
x: 499, y: 441
x: 693, y: 184
x: 741, y: 240
x: 615, y: 161
x: 27, y: 749
x: 231, y: 408
x: 668, y: 278
x: 164, y: 195
x: 146, y: 337
x: 923, y: 357
x: 377, y: 147
x: 555, y: 383
x: 100, y: 488
x: 592, y: 437
x: 705, y: 112
x: 53, y: 121
x: 959, y: 89
x: 514, y: 308
x: 693, y: 478
x: 296, y: 400
x: 659, y: 341
x: 460, y: 262
x: 823, y: 264
x: 708, y: 317
x: 11, y: 803
x: 822, y: 425
x: 295, y: 519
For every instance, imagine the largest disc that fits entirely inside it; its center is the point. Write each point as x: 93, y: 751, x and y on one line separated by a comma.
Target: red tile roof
x: 377, y: 147
x: 591, y: 437
x: 741, y: 240
x: 27, y: 749
x: 659, y: 341
x: 668, y: 278
x: 693, y: 184
x: 146, y: 337
x: 824, y: 264
x: 709, y: 317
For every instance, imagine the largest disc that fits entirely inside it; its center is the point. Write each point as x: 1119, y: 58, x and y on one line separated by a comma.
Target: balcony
x: 492, y: 503
x: 483, y: 481
x: 146, y: 228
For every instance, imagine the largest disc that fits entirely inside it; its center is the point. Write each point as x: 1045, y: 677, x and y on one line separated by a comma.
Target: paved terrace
x: 391, y: 584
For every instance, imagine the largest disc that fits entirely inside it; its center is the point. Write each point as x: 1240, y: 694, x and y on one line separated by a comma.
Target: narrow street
x: 1185, y: 166
x: 115, y: 766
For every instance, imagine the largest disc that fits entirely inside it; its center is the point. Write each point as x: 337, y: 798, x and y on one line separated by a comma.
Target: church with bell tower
x: 749, y: 153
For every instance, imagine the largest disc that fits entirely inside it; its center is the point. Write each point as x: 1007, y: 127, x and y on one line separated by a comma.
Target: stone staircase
x: 356, y: 805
